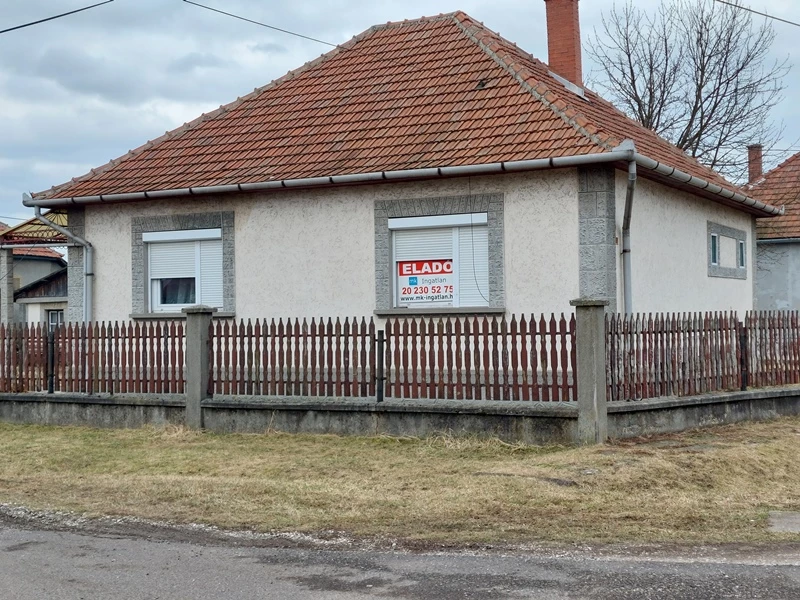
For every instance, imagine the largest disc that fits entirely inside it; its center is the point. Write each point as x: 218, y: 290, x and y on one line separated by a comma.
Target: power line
x: 763, y: 14
x: 72, y: 12
x: 300, y: 35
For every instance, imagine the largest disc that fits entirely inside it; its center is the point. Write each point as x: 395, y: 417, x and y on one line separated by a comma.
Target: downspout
x: 626, y: 229
x: 88, y: 261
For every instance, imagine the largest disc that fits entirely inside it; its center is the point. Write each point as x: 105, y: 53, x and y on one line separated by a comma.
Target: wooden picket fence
x: 688, y: 354
x: 293, y: 358
x: 96, y: 358
x: 773, y: 348
x: 23, y: 358
x: 440, y: 358
x: 530, y: 358
x: 671, y: 355
x: 141, y: 357
x: 477, y: 358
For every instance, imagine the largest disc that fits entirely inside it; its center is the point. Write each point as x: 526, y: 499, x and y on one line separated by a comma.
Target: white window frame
x: 59, y: 321
x: 186, y: 235
x: 715, y: 249
x: 456, y: 222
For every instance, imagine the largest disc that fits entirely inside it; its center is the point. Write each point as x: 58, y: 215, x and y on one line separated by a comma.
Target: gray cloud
x: 81, y: 90
x: 269, y: 48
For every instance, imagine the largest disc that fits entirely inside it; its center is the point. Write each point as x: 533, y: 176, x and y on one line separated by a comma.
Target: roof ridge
x: 540, y: 91
x: 223, y: 108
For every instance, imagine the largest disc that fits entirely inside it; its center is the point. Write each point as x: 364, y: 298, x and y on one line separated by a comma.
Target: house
x: 778, y: 246
x: 30, y: 264
x: 44, y: 300
x: 424, y: 167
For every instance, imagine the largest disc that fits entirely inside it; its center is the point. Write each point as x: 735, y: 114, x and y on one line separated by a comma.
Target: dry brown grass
x: 714, y: 485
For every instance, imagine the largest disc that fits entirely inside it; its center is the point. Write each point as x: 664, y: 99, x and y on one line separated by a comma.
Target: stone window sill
x: 447, y: 310
x: 174, y: 316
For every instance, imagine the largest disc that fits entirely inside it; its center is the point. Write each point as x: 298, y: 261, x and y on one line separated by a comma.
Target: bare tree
x: 697, y: 73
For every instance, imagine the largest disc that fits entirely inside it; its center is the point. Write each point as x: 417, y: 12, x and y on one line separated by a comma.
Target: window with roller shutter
x: 441, y: 261
x: 185, y: 268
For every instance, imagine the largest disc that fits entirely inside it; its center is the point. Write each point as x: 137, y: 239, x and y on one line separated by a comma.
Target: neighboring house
x: 30, y: 264
x: 426, y: 166
x: 778, y: 266
x: 44, y: 300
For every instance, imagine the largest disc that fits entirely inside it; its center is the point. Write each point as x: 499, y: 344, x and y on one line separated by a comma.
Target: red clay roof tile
x: 780, y: 187
x: 387, y: 100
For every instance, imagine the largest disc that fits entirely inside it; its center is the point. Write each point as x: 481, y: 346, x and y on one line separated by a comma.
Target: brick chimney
x: 564, y: 39
x: 755, y: 164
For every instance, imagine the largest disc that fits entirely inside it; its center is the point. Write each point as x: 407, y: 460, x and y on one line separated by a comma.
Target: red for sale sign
x: 425, y: 281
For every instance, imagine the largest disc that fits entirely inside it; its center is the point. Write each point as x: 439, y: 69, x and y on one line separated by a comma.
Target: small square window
x: 714, y: 249
x: 742, y: 262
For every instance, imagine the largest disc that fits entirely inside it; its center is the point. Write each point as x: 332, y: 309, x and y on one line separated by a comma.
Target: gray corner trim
x: 7, y: 286
x: 212, y: 220
x: 738, y: 235
x: 597, y: 234
x: 76, y: 219
x: 491, y: 204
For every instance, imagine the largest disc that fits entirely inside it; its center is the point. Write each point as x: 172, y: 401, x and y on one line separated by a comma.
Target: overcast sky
x: 81, y: 90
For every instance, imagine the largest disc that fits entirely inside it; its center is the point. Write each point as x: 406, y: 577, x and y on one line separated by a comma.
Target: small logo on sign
x: 412, y: 281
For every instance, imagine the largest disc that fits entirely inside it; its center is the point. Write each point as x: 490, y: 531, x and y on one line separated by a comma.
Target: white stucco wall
x: 308, y: 253
x: 669, y: 260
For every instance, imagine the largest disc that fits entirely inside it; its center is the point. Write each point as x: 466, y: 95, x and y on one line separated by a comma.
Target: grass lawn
x: 712, y: 485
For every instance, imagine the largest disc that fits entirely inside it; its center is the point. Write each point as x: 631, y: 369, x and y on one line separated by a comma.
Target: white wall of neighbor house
x: 778, y: 277
x: 28, y: 270
x: 669, y: 242
x: 311, y: 252
x: 36, y: 312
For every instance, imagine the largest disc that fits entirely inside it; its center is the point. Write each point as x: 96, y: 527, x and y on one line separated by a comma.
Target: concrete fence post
x: 198, y: 319
x: 590, y: 333
x: 6, y: 286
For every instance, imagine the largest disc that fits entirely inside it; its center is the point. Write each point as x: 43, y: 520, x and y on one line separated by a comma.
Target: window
x: 714, y: 249
x: 55, y: 318
x: 727, y: 249
x: 441, y: 261
x: 184, y: 268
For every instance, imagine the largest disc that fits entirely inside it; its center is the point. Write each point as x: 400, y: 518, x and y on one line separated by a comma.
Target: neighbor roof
x: 780, y: 187
x: 42, y: 252
x: 432, y: 92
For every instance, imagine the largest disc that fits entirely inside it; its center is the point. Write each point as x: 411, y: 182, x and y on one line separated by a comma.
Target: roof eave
x: 629, y: 154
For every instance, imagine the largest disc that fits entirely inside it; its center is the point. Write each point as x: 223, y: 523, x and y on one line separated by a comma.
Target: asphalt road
x: 40, y: 564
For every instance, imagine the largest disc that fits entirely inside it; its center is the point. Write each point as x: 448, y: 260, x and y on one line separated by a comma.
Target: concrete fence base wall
x: 531, y: 423
x: 91, y: 411
x: 670, y: 415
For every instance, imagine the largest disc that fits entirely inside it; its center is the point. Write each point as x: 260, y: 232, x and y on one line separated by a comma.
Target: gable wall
x: 778, y: 277
x: 308, y: 253
x: 669, y: 242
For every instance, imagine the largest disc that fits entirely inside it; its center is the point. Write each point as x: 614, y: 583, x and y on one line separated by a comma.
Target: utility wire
x: 72, y: 12
x: 300, y: 35
x: 763, y: 14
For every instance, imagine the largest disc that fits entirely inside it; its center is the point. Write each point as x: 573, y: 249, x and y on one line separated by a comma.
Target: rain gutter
x: 412, y: 174
x: 88, y: 256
